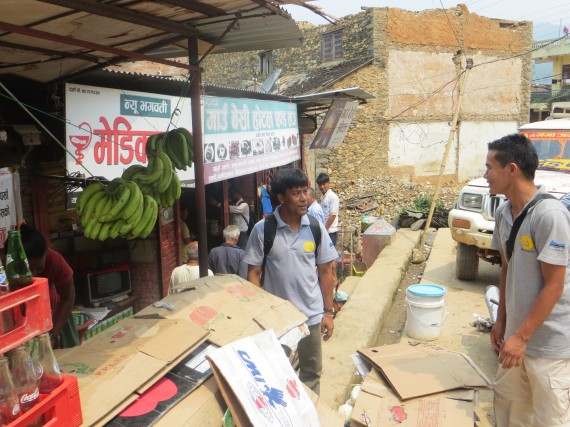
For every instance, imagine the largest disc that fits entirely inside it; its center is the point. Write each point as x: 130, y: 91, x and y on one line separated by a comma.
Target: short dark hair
x: 323, y: 178
x: 287, y: 178
x: 34, y: 243
x: 516, y: 148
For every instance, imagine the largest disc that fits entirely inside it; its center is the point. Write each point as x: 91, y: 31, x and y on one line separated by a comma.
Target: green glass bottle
x: 17, y: 266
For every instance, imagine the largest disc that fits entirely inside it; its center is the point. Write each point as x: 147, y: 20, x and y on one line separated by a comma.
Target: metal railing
x: 551, y: 42
x: 548, y: 96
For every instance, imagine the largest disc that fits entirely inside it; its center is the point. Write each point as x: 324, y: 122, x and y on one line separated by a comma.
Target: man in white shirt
x: 330, y: 204
x: 186, y: 272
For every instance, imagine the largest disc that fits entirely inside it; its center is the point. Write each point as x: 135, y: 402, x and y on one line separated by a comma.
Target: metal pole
x: 200, y: 198
x: 446, y: 153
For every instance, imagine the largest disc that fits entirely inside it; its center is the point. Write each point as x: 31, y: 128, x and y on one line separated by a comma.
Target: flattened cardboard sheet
x: 112, y: 365
x: 230, y: 308
x: 424, y: 368
x: 378, y: 406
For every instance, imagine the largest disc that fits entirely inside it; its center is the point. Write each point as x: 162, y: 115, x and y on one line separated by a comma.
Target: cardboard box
x: 377, y: 405
x: 230, y: 308
x: 417, y: 369
x: 133, y: 353
x: 259, y: 385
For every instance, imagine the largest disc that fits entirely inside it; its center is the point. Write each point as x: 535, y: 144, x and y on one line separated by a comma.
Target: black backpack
x: 270, y: 230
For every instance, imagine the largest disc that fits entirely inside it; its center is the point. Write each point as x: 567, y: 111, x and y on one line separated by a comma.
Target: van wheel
x: 466, y: 262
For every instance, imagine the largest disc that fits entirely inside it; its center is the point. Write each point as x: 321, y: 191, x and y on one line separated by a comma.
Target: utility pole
x: 464, y: 76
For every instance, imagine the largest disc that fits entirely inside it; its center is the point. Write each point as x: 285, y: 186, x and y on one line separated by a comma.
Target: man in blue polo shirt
x: 290, y: 271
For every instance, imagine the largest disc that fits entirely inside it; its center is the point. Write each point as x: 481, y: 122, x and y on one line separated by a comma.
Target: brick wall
x: 145, y: 277
x: 169, y: 244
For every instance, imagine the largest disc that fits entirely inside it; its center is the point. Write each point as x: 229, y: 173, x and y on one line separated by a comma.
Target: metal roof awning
x: 49, y: 40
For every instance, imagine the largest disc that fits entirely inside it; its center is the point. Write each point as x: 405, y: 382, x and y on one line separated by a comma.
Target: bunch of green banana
x: 115, y: 210
x: 158, y: 179
x: 178, y: 145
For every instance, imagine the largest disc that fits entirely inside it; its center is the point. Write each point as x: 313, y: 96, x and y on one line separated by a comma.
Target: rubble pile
x: 386, y: 196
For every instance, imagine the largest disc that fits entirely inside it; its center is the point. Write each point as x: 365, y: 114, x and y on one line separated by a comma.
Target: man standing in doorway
x: 532, y: 331
x: 228, y: 258
x: 330, y: 204
x: 290, y: 271
x: 186, y: 272
x: 239, y: 214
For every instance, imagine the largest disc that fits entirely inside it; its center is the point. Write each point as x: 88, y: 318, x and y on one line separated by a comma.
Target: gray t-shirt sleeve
x: 552, y: 235
x: 254, y: 249
x: 326, y: 252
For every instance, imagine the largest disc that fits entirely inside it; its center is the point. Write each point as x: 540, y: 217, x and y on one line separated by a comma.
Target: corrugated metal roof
x: 47, y: 40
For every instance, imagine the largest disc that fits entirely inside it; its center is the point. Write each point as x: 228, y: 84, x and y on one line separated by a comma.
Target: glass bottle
x: 7, y: 317
x: 50, y: 374
x: 9, y: 405
x: 17, y: 266
x: 24, y: 377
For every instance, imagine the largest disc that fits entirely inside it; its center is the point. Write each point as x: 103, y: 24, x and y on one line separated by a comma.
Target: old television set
x: 99, y: 287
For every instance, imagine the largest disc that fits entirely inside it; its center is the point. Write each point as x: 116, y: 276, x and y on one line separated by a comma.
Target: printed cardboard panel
x: 227, y: 306
x: 415, y: 369
x: 260, y: 386
x: 107, y: 378
x: 165, y: 393
x: 114, y: 364
x: 204, y: 407
x: 377, y: 405
x: 164, y: 339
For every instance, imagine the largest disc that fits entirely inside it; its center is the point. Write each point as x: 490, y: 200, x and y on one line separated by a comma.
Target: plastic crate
x: 60, y: 408
x: 34, y: 320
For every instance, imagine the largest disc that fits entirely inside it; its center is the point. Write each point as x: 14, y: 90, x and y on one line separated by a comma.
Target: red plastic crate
x: 60, y: 408
x: 37, y: 317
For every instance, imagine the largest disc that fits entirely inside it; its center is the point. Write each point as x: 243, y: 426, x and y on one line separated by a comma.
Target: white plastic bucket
x: 425, y: 311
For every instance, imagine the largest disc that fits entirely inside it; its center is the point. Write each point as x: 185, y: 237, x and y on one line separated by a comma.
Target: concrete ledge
x: 359, y: 322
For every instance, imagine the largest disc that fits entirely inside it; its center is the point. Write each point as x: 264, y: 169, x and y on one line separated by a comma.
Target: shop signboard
x: 107, y: 129
x: 10, y: 204
x: 243, y: 136
x: 335, y: 125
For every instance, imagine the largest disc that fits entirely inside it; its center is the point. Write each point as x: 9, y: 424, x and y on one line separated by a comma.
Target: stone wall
x: 233, y: 68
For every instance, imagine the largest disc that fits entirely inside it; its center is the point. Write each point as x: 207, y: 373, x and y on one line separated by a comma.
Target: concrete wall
x: 473, y: 149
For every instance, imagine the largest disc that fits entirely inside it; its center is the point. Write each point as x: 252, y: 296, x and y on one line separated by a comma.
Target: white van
x: 472, y: 221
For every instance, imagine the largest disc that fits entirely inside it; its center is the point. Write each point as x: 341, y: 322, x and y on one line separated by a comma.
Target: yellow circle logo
x: 526, y: 243
x: 309, y: 246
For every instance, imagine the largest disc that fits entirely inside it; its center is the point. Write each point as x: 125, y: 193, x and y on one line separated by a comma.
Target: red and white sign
x: 107, y: 129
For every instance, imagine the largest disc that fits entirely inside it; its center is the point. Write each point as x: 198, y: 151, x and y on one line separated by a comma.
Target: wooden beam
x: 200, y: 7
x: 126, y: 15
x: 6, y: 26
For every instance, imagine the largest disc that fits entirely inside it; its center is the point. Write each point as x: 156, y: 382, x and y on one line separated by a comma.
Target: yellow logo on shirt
x: 309, y: 246
x: 526, y: 243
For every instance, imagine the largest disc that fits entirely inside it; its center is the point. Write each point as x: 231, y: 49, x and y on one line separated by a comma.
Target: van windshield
x: 553, y: 149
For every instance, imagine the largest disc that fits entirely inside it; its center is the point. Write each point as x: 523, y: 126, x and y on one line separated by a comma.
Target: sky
x: 549, y: 16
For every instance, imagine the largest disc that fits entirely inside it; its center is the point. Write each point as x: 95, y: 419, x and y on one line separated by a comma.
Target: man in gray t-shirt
x: 532, y: 331
x: 294, y: 270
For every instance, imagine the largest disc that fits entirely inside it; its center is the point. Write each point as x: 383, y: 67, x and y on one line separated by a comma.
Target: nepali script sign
x: 244, y: 136
x: 107, y: 129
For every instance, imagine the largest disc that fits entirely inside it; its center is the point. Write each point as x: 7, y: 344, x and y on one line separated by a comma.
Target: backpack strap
x: 269, y: 231
x: 316, y: 230
x: 519, y: 220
